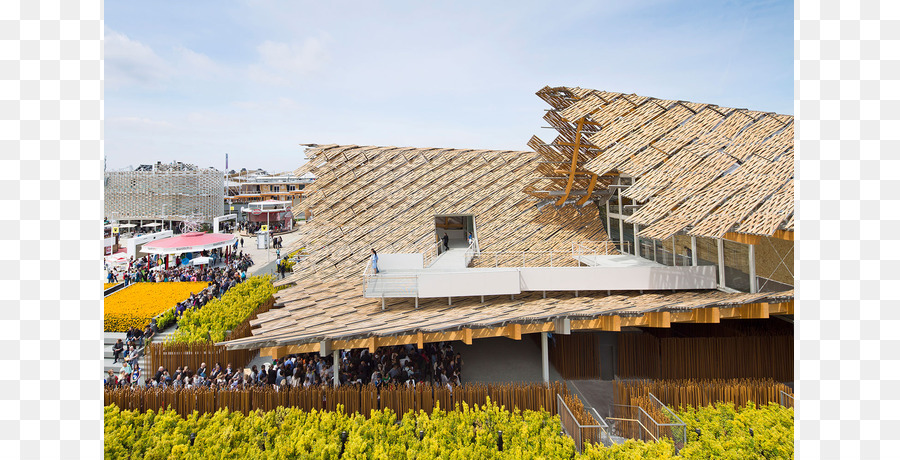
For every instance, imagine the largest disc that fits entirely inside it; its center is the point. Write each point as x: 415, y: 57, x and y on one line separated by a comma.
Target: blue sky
x: 190, y: 81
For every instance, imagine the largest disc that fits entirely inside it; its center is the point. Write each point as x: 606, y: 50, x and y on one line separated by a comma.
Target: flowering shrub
x: 221, y: 315
x: 136, y: 304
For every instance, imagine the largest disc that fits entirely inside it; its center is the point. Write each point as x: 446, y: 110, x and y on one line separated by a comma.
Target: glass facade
x: 614, y: 233
x: 737, y: 266
x: 628, y: 237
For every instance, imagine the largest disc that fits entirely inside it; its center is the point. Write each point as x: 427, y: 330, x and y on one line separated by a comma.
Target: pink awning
x: 189, y: 242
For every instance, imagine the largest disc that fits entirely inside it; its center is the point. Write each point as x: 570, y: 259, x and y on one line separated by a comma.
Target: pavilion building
x: 652, y: 238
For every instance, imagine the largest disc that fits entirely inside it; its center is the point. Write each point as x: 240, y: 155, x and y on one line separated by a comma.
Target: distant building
x: 256, y: 186
x: 168, y: 193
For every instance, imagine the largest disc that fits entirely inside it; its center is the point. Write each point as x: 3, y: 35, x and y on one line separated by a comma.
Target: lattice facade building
x: 175, y: 194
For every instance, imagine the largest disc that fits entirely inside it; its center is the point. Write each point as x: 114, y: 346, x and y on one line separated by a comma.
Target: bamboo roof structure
x: 386, y: 198
x: 699, y: 169
x: 336, y: 310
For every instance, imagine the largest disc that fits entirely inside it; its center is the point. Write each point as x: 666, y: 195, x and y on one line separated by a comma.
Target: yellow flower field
x: 136, y: 304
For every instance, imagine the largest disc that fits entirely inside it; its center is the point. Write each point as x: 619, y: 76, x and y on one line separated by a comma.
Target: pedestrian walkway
x: 454, y: 258
x: 264, y: 260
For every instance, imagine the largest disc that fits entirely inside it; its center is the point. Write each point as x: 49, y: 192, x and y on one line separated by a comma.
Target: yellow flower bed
x: 136, y: 304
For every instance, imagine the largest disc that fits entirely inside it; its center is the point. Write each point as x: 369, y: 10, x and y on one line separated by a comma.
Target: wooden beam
x: 603, y: 323
x: 420, y: 340
x: 783, y: 308
x: 304, y: 348
x: 590, y: 190
x: 707, y: 315
x: 697, y: 315
x: 755, y: 311
x: 534, y: 328
x: 514, y: 331
x: 747, y: 311
x: 373, y: 344
x: 784, y: 235
x: 571, y: 180
x: 745, y: 238
x: 271, y: 352
x: 488, y: 332
x: 659, y: 319
x: 467, y: 336
x: 636, y: 321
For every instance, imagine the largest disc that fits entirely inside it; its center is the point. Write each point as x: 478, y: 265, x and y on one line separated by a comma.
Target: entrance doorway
x: 457, y: 227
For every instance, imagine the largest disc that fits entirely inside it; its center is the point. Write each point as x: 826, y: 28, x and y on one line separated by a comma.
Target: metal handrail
x: 471, y: 252
x: 783, y: 397
x: 578, y: 427
x: 430, y: 255
x: 642, y: 411
x: 673, y: 414
x: 583, y: 247
x: 523, y: 254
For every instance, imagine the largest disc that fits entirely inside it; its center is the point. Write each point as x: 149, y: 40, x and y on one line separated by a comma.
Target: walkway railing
x: 584, y: 248
x: 471, y: 252
x: 785, y: 399
x: 524, y: 259
x: 596, y: 433
x: 636, y: 423
x: 389, y: 285
x: 430, y: 255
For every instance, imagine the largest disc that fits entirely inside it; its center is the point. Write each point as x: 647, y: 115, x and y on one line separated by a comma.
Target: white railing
x: 388, y: 285
x: 603, y: 248
x: 430, y: 254
x: 524, y: 259
x: 471, y: 252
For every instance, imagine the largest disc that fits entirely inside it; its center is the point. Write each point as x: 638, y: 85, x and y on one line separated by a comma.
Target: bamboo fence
x: 699, y: 393
x: 589, y: 430
x: 575, y: 356
x: 192, y: 355
x: 765, y: 356
x: 354, y: 399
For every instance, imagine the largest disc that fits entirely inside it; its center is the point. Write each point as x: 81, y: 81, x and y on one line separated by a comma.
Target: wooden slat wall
x: 575, y: 356
x: 764, y: 356
x: 192, y: 355
x: 699, y: 393
x: 361, y: 400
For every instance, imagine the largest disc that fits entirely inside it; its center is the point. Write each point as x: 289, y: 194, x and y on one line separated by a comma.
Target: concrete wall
x: 453, y: 284
x: 400, y: 261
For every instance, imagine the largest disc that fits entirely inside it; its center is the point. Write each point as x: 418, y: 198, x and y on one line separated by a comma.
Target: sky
x: 192, y: 81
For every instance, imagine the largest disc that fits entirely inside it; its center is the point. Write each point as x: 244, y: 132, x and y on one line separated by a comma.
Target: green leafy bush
x: 464, y: 433
x: 469, y: 432
x: 221, y: 315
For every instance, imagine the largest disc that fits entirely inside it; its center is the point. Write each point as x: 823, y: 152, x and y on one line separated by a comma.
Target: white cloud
x: 281, y: 63
x: 132, y: 63
x: 128, y: 62
x: 192, y: 63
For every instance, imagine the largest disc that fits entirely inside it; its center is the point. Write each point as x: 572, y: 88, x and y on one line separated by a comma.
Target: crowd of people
x: 388, y: 366
x: 152, y: 269
x: 253, y: 227
x: 130, y: 352
x: 399, y: 365
x: 220, y: 279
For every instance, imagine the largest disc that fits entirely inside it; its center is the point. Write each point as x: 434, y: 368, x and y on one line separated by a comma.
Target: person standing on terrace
x: 374, y: 259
